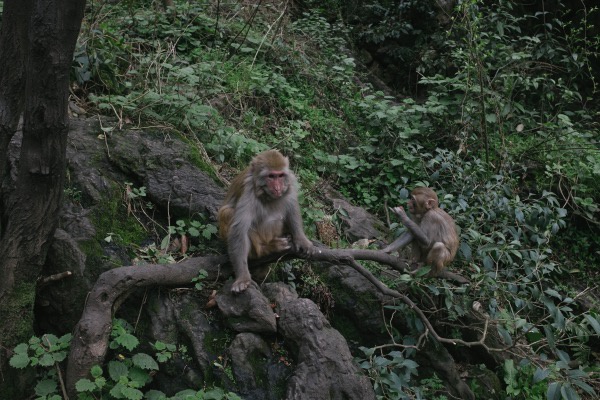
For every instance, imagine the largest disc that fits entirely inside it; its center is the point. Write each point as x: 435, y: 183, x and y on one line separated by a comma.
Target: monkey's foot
x: 240, y: 284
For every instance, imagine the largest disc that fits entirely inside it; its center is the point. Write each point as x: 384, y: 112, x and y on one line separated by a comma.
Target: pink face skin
x: 277, y: 183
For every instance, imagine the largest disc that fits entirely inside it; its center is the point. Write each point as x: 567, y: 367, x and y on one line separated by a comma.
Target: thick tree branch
x: 92, y: 332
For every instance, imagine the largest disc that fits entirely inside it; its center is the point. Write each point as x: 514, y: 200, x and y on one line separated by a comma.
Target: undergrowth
x: 505, y: 130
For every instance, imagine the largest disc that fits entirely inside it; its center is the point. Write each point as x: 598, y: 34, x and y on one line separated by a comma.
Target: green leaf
x: 96, y: 371
x: 127, y: 340
x: 138, y: 377
x: 165, y: 242
x: 505, y: 335
x: 145, y: 361
x: 568, y: 393
x: 155, y: 395
x: 85, y: 385
x: 46, y: 387
x: 117, y: 391
x: 585, y: 387
x: 553, y: 392
x: 21, y: 348
x: 593, y: 322
x: 59, y: 356
x: 488, y: 263
x: 100, y: 382
x: 47, y: 360
x: 553, y: 293
x: 19, y: 361
x: 510, y: 372
x: 116, y: 370
x: 491, y: 118
x: 540, y: 375
x: 50, y: 339
x: 132, y: 394
x: 465, y: 251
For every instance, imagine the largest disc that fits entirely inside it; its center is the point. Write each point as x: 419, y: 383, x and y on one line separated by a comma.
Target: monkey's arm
x: 400, y: 242
x: 413, y: 228
x: 294, y: 226
x: 238, y: 246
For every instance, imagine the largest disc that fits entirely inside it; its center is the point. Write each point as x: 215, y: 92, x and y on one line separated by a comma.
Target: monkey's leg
x: 437, y: 258
x: 224, y: 217
x: 262, y: 246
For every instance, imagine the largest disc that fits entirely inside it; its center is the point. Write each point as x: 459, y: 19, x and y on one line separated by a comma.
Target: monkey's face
x: 277, y: 184
x: 412, y: 205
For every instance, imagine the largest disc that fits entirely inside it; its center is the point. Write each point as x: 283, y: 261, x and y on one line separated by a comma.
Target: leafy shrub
x: 123, y: 377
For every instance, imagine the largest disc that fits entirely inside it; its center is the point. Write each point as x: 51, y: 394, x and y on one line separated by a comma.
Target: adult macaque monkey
x: 260, y: 211
x: 431, y: 231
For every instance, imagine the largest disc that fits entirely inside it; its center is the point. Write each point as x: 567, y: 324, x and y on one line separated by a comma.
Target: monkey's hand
x: 303, y: 245
x: 399, y: 211
x: 280, y: 244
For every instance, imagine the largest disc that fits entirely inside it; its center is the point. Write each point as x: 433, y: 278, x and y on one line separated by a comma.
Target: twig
x: 55, y: 277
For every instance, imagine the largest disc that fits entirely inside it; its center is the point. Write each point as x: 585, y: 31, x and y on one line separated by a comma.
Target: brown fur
x: 432, y: 232
x: 259, y: 212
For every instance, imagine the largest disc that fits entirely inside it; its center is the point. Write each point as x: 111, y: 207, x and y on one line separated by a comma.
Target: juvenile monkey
x: 431, y: 231
x: 260, y: 211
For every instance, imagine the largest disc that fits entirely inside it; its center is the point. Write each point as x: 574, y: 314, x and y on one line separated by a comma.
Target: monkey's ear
x: 430, y: 203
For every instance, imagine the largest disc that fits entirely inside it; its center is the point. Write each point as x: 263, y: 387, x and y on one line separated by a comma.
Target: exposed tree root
x: 92, y: 332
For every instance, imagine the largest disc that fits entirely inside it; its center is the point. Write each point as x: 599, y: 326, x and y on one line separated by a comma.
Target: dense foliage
x: 504, y: 125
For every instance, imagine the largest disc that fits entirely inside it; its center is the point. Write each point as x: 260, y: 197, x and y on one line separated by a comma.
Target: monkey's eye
x: 276, y: 175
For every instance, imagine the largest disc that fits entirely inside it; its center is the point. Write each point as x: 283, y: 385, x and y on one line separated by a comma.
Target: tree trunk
x: 29, y: 214
x: 13, y: 58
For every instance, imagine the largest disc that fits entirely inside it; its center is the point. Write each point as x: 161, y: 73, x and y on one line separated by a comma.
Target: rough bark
x: 91, y: 335
x: 34, y: 205
x: 13, y: 57
x: 37, y: 43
